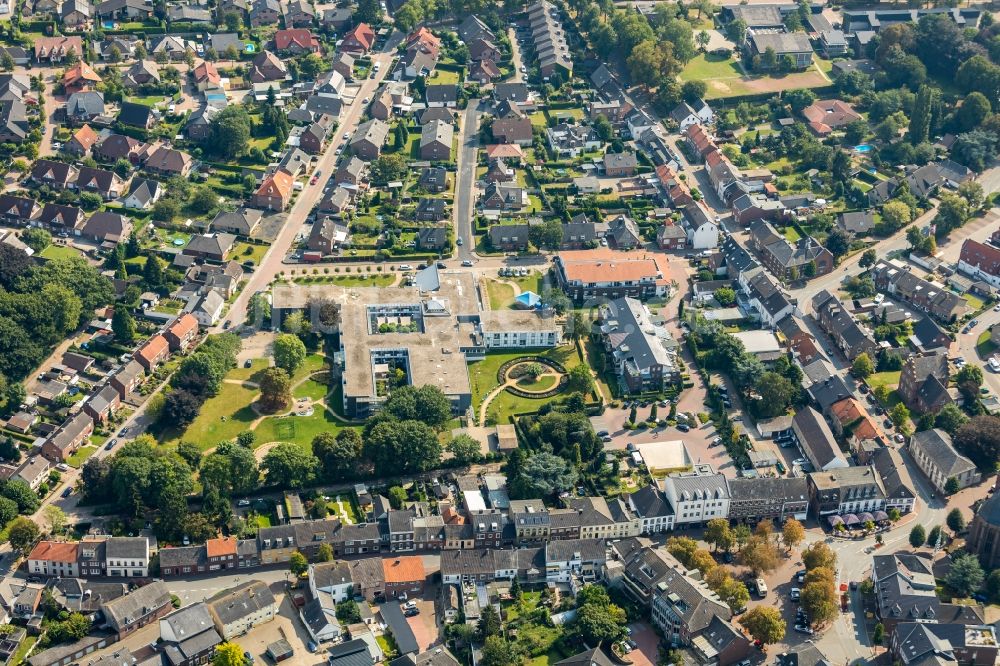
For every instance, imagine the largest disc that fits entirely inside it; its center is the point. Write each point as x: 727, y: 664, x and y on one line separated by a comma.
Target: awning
x: 835, y: 520
x: 881, y: 516
x: 851, y: 519
x: 866, y: 517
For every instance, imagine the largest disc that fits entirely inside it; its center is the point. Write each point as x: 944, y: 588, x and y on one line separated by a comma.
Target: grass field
x: 59, y: 252
x: 297, y: 429
x: 443, y: 77
x: 221, y: 418
x: 362, y: 280
x: 725, y: 78
x: 80, y: 457
x: 249, y: 252
x: 483, y: 374
x: 311, y: 388
x: 244, y: 374
x: 889, y: 379
x: 543, y: 383
x: 501, y: 295
x: 984, y: 345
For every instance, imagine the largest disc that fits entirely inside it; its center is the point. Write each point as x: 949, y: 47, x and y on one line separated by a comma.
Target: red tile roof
x: 55, y: 551
x: 183, y: 325
x: 153, y: 349
x: 403, y: 569
x: 220, y: 547
x: 984, y: 257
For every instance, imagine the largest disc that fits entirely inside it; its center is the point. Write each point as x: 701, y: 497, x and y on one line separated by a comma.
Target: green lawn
x: 362, y: 280
x: 148, y: 100
x: 984, y: 345
x: 59, y: 252
x: 483, y: 374
x: 889, y: 379
x: 791, y: 235
x: 244, y: 374
x: 543, y: 383
x: 249, y: 252
x: 221, y: 418
x: 297, y: 429
x: 80, y: 457
x: 708, y: 66
x: 313, y: 363
x: 98, y: 440
x: 23, y: 649
x: 501, y: 295
x: 311, y: 388
x: 974, y: 302
x: 531, y: 282
x: 443, y: 77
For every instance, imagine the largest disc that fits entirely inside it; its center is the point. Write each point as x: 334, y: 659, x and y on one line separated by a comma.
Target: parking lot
x: 647, y: 651
x: 424, y: 625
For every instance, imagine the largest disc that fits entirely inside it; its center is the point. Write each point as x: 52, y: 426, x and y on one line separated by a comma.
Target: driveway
x: 424, y: 626
x: 648, y: 645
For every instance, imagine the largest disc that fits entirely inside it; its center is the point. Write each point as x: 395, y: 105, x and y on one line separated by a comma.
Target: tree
x: 55, y: 517
x: 498, y: 652
x: 123, y: 325
x: 152, y: 272
x: 736, y: 31
x: 22, y: 494
x: 993, y: 585
x: 935, y: 536
x: 464, y: 449
x: 230, y: 132
x: 397, y: 497
x: 548, y: 235
x: 718, y: 533
x: 228, y: 654
x: 298, y: 564
x: 725, y: 296
x: 338, y: 455
x: 427, y: 404
x: 918, y: 536
x: 580, y: 379
x: 966, y: 575
x: 799, y: 99
x: 401, y: 447
x: 548, y: 474
x: 180, y: 407
x: 204, y: 201
x: 190, y: 453
x: 764, y: 624
x: 838, y: 242
x: 288, y: 466
x: 819, y: 600
x: 734, y: 594
x: 8, y: 510
x: 22, y: 533
x: 388, y: 168
x: 863, y: 366
x: 36, y: 238
x: 348, y: 612
x: 6, y: 62
x: 759, y: 555
x: 599, y: 622
x: 974, y: 110
x: 289, y: 352
x: 325, y: 552
x: 489, y: 623
x: 896, y: 214
x: 275, y: 389
x: 868, y: 258
x: 951, y: 486
x: 819, y: 555
x: 792, y: 533
x: 979, y: 439
x: 920, y: 117
x: 955, y: 520
x: 899, y: 414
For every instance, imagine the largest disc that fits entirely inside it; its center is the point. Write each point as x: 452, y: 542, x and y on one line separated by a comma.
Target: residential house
x: 697, y: 496
x: 930, y: 297
x: 142, y: 73
x: 611, y: 274
x: 68, y: 437
x: 620, y: 164
x: 137, y: 115
x: 652, y: 508
x: 142, y: 194
x: 499, y: 196
x: 805, y: 258
x: 188, y: 636
x: 850, y: 336
x: 930, y: 642
x: 358, y: 40
x: 515, y: 129
x: 275, y: 192
x: 264, y: 12
x: 369, y: 139
x: 896, y: 482
x: 772, y: 499
x: 55, y: 559
x: 13, y: 121
x: 128, y: 379
x: 826, y: 115
x: 848, y: 491
x: 935, y: 455
x: 441, y: 95
x: 923, y: 383
x: 857, y: 223
x: 570, y: 141
x: 237, y: 610
x: 327, y: 235
x: 114, y: 147
x: 267, y: 67
x: 436, y: 138
x: 81, y: 142
x: 152, y: 353
x: 60, y: 218
x: 107, y: 227
x: 816, y: 440
x: 624, y: 233
x: 299, y: 13
x: 685, y: 114
x: 671, y: 236
x: 980, y: 261
x: 206, y: 76
x: 684, y: 608
x: 145, y: 605
x: 296, y: 41
x: 55, y: 49
x: 82, y: 107
x: 241, y: 222
x: 702, y: 228
x: 181, y: 332
x: 54, y: 174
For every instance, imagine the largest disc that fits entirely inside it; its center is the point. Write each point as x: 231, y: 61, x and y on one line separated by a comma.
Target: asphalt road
x: 465, y: 180
x: 311, y: 193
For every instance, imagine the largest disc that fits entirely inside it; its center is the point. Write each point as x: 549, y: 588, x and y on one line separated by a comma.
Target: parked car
x: 802, y: 629
x: 243, y: 502
x: 683, y: 427
x: 111, y: 444
x: 67, y: 492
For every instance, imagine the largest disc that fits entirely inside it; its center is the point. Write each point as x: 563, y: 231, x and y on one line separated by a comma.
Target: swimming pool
x: 863, y: 148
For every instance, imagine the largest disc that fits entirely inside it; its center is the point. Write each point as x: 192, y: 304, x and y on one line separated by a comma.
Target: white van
x: 761, y: 587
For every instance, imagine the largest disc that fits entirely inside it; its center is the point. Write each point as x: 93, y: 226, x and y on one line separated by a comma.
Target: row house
x: 697, y: 496
x: 126, y: 615
x: 803, y: 259
x: 773, y: 499
x: 68, y: 438
x: 117, y: 557
x: 934, y: 299
x: 850, y: 336
x: 847, y: 491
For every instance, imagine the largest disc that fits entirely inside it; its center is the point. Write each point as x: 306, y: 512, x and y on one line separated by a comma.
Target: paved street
x: 465, y: 180
x: 311, y: 194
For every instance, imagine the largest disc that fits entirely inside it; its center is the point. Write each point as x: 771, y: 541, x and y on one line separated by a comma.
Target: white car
x: 994, y: 364
x: 243, y: 502
x: 409, y: 604
x: 799, y: 461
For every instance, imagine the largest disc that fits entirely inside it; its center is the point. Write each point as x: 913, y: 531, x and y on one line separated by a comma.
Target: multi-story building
x: 683, y: 608
x: 574, y: 558
x: 697, y: 496
x: 935, y: 455
x: 653, y: 509
x: 188, y: 635
x: 923, y: 383
x: 642, y: 353
x: 849, y: 491
x: 607, y: 274
x: 932, y: 298
x: 126, y: 557
x: 135, y: 610
x: 54, y: 558
x: 238, y: 610
x: 779, y: 498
